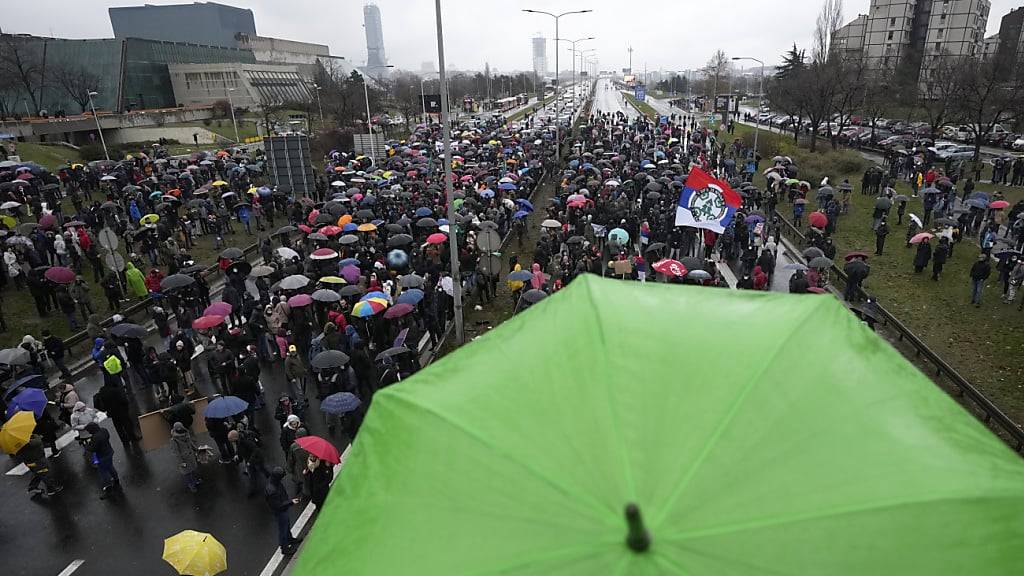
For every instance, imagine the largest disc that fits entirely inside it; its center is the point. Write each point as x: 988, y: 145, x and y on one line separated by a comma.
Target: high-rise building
x: 206, y: 23
x: 540, y: 57
x: 909, y: 34
x: 376, y: 61
x: 1011, y: 36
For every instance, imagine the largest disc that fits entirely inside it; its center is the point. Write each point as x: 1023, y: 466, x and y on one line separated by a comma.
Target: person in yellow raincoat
x: 136, y: 282
x: 515, y: 286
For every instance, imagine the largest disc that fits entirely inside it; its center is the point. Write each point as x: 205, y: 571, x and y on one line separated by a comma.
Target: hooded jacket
x: 136, y: 282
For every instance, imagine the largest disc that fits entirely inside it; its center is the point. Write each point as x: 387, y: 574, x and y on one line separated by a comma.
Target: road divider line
x: 71, y: 568
x: 62, y: 442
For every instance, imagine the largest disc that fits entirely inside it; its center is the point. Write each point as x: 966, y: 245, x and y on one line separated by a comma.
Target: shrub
x: 813, y: 166
x: 91, y: 152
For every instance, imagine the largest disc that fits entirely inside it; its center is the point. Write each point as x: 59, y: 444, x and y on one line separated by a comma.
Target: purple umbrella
x: 28, y: 400
x: 300, y: 300
x: 350, y: 273
x: 218, y: 309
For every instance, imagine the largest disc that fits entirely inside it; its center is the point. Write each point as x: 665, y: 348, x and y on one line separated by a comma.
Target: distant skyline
x: 664, y: 35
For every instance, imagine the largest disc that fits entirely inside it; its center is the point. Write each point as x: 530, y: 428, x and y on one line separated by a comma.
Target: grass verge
x: 642, y: 107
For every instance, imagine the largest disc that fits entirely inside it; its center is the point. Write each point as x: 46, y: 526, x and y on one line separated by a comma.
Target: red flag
x: 699, y: 179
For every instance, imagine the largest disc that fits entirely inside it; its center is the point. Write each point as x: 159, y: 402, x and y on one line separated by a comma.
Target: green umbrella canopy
x: 757, y: 433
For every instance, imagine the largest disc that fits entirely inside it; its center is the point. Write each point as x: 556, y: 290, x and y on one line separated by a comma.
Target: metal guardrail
x: 990, y: 414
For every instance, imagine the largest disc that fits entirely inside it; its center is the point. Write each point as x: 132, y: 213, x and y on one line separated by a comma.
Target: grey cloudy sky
x: 664, y: 34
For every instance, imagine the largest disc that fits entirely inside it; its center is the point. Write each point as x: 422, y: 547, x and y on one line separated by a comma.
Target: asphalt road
x: 124, y: 534
x: 608, y: 99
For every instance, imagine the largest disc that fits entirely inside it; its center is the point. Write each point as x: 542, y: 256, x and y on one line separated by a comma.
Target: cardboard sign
x: 156, y: 431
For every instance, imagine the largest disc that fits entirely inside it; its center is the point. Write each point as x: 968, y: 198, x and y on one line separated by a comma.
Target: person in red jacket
x: 153, y: 280
x: 760, y: 278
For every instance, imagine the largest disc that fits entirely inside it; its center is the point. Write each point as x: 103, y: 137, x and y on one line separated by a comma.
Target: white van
x: 966, y: 133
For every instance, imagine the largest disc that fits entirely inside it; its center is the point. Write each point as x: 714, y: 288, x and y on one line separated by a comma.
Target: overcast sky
x: 664, y: 34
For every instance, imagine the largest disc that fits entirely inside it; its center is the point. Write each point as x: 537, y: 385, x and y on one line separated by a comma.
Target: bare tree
x: 849, y: 93
x: 716, y: 70
x: 830, y: 19
x: 935, y: 99
x: 880, y: 93
x: 987, y: 96
x: 76, y: 82
x: 21, y: 66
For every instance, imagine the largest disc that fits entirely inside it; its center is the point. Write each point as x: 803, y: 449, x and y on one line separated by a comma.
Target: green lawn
x: 981, y: 343
x: 643, y: 107
x: 246, y: 128
x: 47, y: 155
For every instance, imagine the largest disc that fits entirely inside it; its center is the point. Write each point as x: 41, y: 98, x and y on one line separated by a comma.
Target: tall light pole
x: 316, y: 87
x: 446, y: 135
x: 98, y: 127
x: 572, y: 51
x: 558, y: 145
x: 760, y: 93
x: 423, y: 101
x: 231, y: 106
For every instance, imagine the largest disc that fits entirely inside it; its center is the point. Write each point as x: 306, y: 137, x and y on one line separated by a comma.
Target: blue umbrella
x: 506, y: 186
x: 411, y: 296
x: 375, y: 294
x: 423, y: 211
x: 28, y: 400
x: 442, y: 222
x: 521, y: 214
x: 520, y: 276
x: 264, y: 191
x: 525, y: 204
x: 977, y: 203
x: 350, y: 227
x: 488, y: 193
x: 398, y: 259
x: 619, y: 236
x: 978, y: 195
x: 350, y: 261
x: 225, y: 406
x: 340, y: 403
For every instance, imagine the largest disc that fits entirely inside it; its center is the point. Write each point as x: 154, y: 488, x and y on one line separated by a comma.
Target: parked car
x: 867, y: 138
x: 1018, y: 144
x: 897, y: 141
x: 958, y: 152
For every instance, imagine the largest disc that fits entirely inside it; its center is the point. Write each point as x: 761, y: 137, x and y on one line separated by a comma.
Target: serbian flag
x: 706, y: 202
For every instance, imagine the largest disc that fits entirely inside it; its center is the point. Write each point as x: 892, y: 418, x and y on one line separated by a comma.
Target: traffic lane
x: 609, y: 99
x: 76, y: 524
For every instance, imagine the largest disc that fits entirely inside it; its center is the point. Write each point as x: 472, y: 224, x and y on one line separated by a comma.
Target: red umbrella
x: 853, y: 255
x: 922, y: 237
x: 998, y: 205
x: 670, y: 268
x: 437, y: 238
x: 207, y: 322
x: 60, y: 275
x: 218, y: 309
x: 818, y: 219
x: 312, y: 216
x: 300, y: 300
x: 320, y: 448
x: 398, y: 310
x: 323, y: 254
x: 330, y: 230
x: 305, y: 228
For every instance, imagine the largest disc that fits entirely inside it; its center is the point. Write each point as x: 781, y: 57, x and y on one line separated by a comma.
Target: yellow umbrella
x: 253, y: 191
x: 16, y: 432
x: 149, y: 219
x: 195, y: 553
x: 220, y: 183
x: 366, y: 228
x: 76, y: 166
x: 333, y: 280
x: 8, y: 221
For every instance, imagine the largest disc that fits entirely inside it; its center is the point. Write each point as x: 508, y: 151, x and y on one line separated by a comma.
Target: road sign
x: 640, y: 92
x: 489, y: 265
x: 488, y: 241
x: 108, y: 239
x: 662, y: 120
x: 115, y: 261
x: 432, y: 103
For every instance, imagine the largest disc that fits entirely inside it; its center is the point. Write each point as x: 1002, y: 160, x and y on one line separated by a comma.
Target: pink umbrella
x: 312, y: 216
x: 351, y: 273
x: 207, y: 322
x: 466, y: 178
x: 323, y: 254
x: 437, y: 238
x: 300, y: 300
x: 60, y: 275
x: 997, y: 205
x: 218, y: 309
x: 398, y: 310
x: 922, y: 237
x: 48, y: 222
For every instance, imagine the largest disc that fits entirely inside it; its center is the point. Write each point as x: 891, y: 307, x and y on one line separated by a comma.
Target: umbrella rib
x: 598, y: 507
x: 733, y: 410
x: 809, y: 516
x: 563, y: 554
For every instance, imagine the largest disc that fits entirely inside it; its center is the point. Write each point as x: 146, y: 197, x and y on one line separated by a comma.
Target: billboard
x: 432, y: 103
x: 640, y: 92
x: 727, y: 103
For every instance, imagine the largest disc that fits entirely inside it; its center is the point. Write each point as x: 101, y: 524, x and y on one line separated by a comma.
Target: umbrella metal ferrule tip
x: 638, y: 539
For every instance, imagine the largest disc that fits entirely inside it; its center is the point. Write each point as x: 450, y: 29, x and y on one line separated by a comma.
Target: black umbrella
x: 392, y: 352
x: 175, y: 281
x: 691, y: 262
x: 485, y: 225
x: 534, y: 296
x: 285, y: 230
x: 351, y: 290
x: 128, y: 330
x: 655, y: 246
x: 232, y: 253
x: 411, y: 281
x: 240, y: 268
x: 576, y: 240
x: 365, y: 214
x: 426, y: 223
x: 812, y: 253
x: 399, y: 240
x: 329, y: 359
x: 394, y: 228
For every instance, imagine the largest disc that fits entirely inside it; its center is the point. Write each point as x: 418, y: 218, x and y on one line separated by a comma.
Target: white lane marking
x: 300, y: 523
x: 71, y: 568
x: 62, y: 442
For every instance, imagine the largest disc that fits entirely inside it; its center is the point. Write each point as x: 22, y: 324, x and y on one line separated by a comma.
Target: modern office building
x: 244, y: 85
x: 376, y: 61
x: 206, y: 23
x: 908, y: 35
x: 127, y: 74
x: 540, y: 57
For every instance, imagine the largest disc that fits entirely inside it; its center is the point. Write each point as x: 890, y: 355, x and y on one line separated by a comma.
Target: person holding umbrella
x: 317, y: 476
x: 922, y: 256
x: 881, y: 231
x: 939, y: 257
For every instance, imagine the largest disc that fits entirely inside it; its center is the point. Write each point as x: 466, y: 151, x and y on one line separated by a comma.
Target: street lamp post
x: 760, y: 94
x: 231, y: 106
x: 558, y: 146
x: 446, y: 135
x: 369, y: 121
x: 98, y: 127
x: 573, y: 52
x: 319, y: 106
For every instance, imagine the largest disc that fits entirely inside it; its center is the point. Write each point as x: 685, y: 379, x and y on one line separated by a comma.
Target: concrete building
x: 989, y: 47
x: 206, y: 23
x: 1011, y: 36
x: 540, y: 57
x: 850, y: 38
x: 376, y: 61
x: 906, y: 35
x: 244, y: 85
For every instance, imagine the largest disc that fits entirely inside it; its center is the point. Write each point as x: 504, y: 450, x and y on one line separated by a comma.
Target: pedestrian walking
x: 103, y: 452
x: 33, y: 456
x: 249, y: 453
x: 318, y: 477
x: 81, y: 417
x: 56, y: 350
x: 881, y: 231
x: 980, y: 272
x: 112, y: 399
x: 186, y: 450
x: 297, y: 374
x: 939, y: 257
x: 291, y: 425
x: 280, y: 502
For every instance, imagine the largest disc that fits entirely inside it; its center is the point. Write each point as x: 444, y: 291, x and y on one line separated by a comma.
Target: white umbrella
x: 10, y: 204
x: 917, y: 220
x: 108, y: 178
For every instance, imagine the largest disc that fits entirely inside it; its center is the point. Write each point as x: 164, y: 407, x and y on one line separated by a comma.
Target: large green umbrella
x: 756, y: 433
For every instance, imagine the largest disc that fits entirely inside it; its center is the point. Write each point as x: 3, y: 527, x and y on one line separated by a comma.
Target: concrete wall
x: 76, y: 128
x: 182, y: 134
